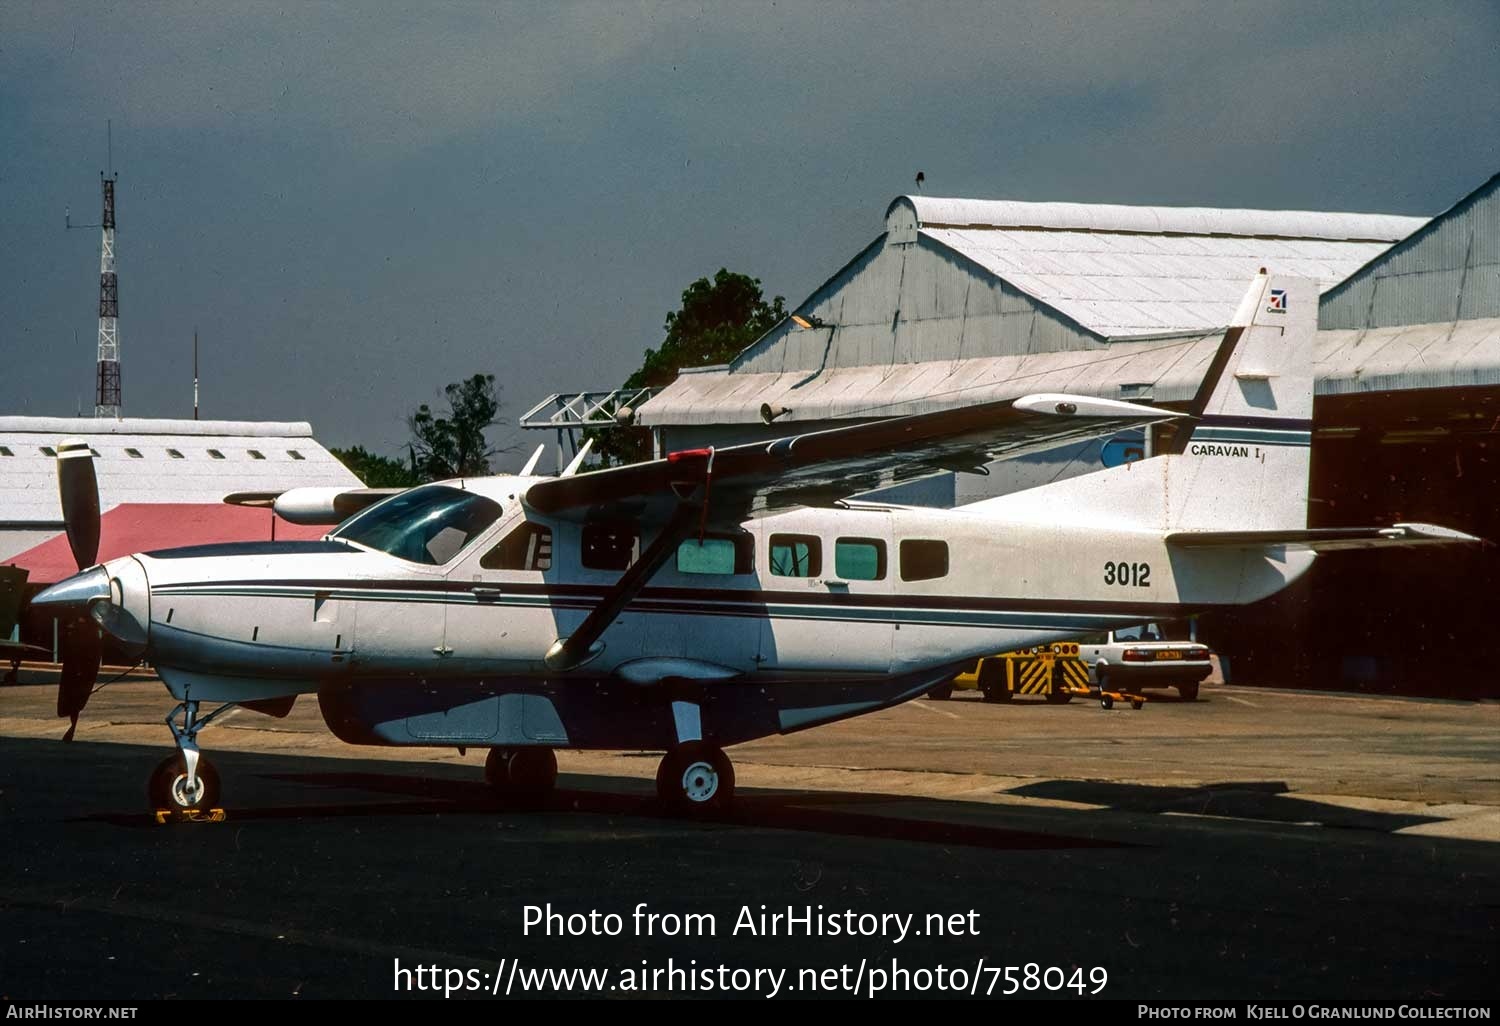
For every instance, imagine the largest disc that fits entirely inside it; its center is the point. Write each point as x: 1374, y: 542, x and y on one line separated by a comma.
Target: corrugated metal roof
x: 28, y: 477
x: 1425, y: 356
x: 936, y: 212
x: 66, y: 426
x: 1122, y: 271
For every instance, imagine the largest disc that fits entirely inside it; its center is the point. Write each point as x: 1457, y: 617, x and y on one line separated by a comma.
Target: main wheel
x: 167, y: 787
x: 516, y: 772
x: 497, y: 769
x: 694, y: 778
x: 533, y: 771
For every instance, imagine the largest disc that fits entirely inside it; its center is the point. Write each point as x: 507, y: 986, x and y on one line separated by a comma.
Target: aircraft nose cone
x: 76, y: 592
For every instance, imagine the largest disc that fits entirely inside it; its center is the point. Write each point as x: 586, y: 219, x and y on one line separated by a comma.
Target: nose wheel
x: 185, y: 780
x: 695, y: 778
x: 170, y: 787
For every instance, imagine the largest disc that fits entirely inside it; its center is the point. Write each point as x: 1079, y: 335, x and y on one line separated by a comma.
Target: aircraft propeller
x: 79, y: 640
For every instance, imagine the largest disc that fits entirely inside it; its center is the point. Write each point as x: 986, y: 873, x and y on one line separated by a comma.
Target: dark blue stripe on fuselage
x: 1264, y: 423
x: 570, y: 594
x: 254, y: 548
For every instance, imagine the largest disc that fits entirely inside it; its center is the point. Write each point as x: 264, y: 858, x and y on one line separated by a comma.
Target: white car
x: 1143, y: 657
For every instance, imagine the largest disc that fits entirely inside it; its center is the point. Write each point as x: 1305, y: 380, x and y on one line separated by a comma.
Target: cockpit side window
x: 527, y: 547
x: 429, y: 525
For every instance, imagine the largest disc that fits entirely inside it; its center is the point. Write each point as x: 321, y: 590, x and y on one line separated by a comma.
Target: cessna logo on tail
x: 1278, y: 301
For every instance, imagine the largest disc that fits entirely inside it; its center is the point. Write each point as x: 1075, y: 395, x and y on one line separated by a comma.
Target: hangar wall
x: 1406, y: 421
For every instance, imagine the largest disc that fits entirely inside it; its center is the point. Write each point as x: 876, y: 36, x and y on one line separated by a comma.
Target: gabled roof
x: 158, y: 461
x: 1123, y: 271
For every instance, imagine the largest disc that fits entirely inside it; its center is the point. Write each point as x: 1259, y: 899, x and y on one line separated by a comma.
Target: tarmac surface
x: 1254, y: 844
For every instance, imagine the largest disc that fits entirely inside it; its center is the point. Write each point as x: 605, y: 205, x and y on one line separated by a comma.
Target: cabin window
x: 610, y: 546
x: 47, y: 450
x: 723, y: 554
x: 134, y: 454
x: 216, y: 454
x: 294, y: 454
x: 796, y: 555
x: 923, y: 560
x: 175, y: 454
x: 528, y: 547
x: 859, y: 559
x: 5, y: 451
x: 256, y: 454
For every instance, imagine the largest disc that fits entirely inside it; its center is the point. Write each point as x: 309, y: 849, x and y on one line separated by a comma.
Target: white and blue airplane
x: 691, y: 603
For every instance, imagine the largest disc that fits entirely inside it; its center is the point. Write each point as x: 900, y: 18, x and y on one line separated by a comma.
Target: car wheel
x: 1188, y: 692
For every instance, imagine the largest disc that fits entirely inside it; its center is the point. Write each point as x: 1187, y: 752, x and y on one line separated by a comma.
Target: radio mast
x: 107, y: 394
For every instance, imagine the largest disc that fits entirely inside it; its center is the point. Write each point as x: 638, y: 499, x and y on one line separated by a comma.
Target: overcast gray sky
x: 356, y: 204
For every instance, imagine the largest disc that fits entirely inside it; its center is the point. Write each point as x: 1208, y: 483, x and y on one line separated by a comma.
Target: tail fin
x: 1245, y: 462
x: 1243, y: 466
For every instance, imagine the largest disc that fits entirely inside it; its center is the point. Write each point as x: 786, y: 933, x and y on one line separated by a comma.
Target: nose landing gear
x: 185, y: 780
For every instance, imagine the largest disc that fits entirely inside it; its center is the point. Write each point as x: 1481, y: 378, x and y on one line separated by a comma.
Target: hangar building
x: 161, y: 483
x: 961, y: 301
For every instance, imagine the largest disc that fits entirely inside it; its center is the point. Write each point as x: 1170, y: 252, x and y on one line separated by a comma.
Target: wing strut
x: 583, y: 644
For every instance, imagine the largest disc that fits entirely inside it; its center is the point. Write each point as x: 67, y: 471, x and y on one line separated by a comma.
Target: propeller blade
x: 78, y: 490
x: 82, y: 649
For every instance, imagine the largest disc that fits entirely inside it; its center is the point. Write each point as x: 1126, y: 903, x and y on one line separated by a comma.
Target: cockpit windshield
x: 431, y: 524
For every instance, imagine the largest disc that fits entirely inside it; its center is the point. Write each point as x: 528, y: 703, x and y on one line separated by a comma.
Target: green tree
x: 454, y: 445
x: 717, y: 319
x: 374, y: 470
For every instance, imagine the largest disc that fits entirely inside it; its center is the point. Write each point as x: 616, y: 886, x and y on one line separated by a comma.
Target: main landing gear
x: 695, y: 777
x: 185, y: 780
x: 529, y: 773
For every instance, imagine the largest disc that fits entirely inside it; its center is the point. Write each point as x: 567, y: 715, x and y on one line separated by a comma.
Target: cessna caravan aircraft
x: 711, y: 597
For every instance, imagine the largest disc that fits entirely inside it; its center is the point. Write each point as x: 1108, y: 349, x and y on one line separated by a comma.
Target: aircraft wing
x: 1325, y: 539
x: 821, y: 467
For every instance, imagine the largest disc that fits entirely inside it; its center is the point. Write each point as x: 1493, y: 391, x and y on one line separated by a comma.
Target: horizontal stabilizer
x: 1324, y: 539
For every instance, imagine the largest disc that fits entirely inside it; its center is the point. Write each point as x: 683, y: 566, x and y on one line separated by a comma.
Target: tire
x: 165, y: 788
x: 1188, y: 692
x: 1106, y: 702
x: 992, y: 684
x: 1056, y: 695
x: 942, y: 693
x: 533, y: 771
x: 497, y: 770
x: 696, y: 778
x: 521, y: 772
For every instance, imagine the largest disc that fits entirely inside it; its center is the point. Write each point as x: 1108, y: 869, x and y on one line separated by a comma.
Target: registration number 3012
x: 1130, y: 575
